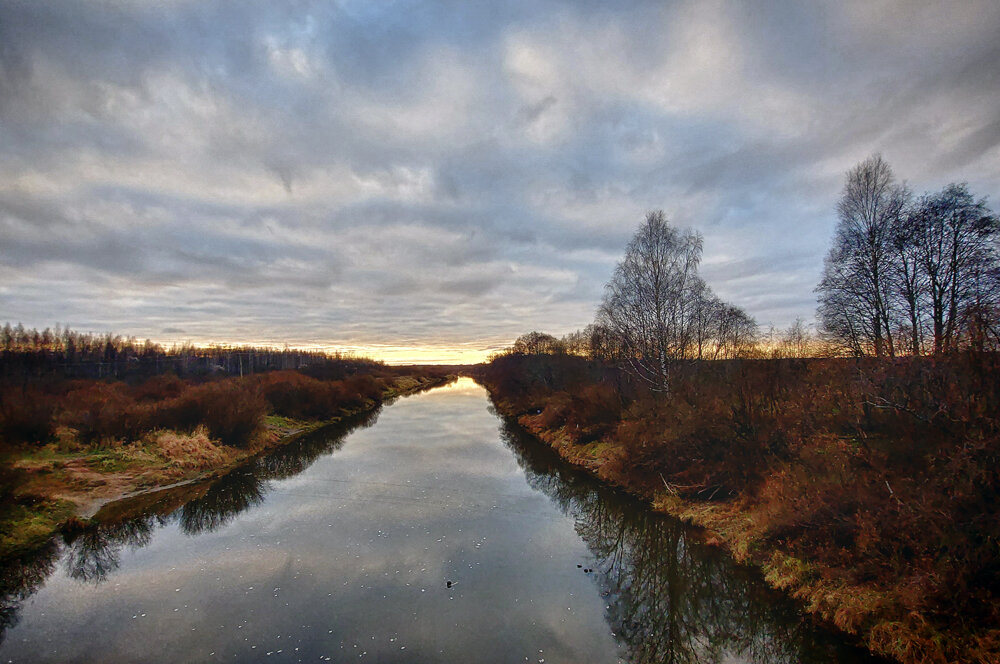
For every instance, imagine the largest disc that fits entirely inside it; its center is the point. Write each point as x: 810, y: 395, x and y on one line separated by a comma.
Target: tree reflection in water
x: 19, y: 579
x: 92, y: 554
x: 671, y: 598
x: 96, y: 552
x: 248, y: 486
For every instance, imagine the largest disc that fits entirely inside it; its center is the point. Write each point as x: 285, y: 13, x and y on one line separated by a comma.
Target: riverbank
x: 63, y: 483
x: 811, y: 507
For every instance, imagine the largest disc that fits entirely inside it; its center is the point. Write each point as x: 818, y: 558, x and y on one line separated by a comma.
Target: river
x: 431, y: 531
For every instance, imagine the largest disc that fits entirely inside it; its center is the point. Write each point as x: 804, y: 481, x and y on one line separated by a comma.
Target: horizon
x: 428, y: 180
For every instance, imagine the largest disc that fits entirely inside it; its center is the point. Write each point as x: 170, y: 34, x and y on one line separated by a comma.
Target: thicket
x: 231, y: 408
x: 886, y: 471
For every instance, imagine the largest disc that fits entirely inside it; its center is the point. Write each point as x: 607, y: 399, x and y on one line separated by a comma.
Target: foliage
x: 26, y: 414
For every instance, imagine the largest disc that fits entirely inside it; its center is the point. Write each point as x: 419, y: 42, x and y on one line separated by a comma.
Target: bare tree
x: 856, y: 292
x: 534, y: 343
x: 910, y: 282
x: 649, y: 302
x: 708, y: 312
x: 736, y: 333
x: 952, y: 237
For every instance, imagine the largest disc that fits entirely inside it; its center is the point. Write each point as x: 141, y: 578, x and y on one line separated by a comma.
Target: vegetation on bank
x: 67, y: 445
x: 867, y: 485
x: 868, y: 488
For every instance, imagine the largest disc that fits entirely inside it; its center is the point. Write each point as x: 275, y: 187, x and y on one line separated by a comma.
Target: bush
x: 885, y: 471
x: 103, y: 411
x: 26, y: 416
x: 232, y: 410
x: 158, y: 388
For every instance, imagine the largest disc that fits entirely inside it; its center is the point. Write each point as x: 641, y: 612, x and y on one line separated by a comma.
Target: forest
x: 858, y: 467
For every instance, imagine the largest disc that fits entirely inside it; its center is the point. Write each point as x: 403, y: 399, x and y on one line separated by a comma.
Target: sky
x: 427, y: 180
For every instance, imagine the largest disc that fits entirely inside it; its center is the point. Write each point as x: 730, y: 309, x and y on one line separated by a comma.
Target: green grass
x: 284, y: 422
x: 26, y: 524
x: 107, y: 461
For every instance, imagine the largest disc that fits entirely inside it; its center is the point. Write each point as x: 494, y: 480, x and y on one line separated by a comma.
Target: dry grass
x: 188, y: 450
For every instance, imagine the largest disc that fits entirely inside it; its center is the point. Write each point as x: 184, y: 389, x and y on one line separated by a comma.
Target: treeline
x: 98, y: 389
x: 63, y: 353
x: 596, y: 342
x: 910, y: 275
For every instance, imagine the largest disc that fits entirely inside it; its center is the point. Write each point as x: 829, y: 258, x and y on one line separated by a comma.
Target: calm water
x: 437, y: 533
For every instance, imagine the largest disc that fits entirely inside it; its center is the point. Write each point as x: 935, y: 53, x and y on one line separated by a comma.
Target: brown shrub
x: 593, y: 411
x: 885, y: 471
x: 26, y: 416
x: 157, y: 388
x: 553, y: 414
x: 100, y: 411
x: 292, y: 394
x: 232, y: 410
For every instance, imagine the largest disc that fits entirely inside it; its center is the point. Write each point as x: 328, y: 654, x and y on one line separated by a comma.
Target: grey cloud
x: 359, y: 173
x: 531, y: 112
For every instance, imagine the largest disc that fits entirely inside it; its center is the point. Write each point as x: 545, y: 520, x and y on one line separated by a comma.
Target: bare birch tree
x: 857, y: 289
x: 649, y: 302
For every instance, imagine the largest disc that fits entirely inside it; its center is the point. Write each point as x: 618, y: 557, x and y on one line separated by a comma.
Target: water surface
x: 433, y: 531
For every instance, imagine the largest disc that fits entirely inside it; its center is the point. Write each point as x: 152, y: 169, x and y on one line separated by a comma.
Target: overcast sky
x: 431, y: 179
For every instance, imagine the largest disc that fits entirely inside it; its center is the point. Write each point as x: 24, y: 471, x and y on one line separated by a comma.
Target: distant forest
x: 63, y: 353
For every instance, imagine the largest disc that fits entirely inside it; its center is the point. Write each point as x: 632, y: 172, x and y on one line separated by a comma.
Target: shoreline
x: 70, y: 491
x: 870, y: 617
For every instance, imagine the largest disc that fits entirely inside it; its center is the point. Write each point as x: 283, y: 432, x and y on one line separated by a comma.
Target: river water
x: 432, y: 531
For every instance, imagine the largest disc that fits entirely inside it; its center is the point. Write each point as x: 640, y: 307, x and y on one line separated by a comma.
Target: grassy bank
x: 866, y: 489
x: 94, y: 442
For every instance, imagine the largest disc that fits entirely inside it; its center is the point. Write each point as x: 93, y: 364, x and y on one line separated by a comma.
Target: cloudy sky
x: 428, y: 180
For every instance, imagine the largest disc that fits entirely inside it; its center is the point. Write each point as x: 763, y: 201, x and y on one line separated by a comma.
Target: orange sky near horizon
x: 472, y: 353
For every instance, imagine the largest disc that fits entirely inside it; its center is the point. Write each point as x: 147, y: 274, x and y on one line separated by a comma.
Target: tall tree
x: 856, y: 292
x: 657, y: 310
x: 649, y: 302
x: 953, y: 238
x: 910, y: 281
x: 534, y: 343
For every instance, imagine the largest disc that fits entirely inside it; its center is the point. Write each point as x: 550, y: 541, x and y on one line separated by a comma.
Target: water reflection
x: 248, y: 486
x: 383, y: 527
x: 19, y: 579
x: 671, y: 598
x: 93, y: 554
x: 96, y: 552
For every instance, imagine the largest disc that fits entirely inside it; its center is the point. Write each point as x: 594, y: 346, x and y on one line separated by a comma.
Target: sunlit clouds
x: 433, y: 179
